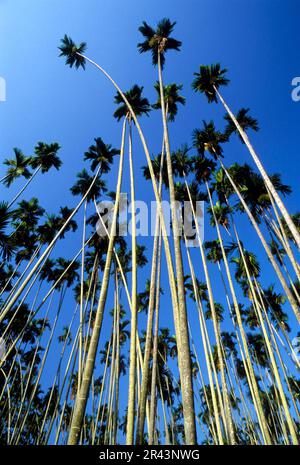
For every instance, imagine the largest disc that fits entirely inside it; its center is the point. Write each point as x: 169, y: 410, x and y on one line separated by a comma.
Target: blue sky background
x: 257, y: 40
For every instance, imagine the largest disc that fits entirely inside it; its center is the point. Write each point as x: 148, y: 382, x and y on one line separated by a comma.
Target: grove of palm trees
x: 142, y: 339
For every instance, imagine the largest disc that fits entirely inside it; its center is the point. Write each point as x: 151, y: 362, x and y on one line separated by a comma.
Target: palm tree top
x: 17, y: 167
x: 101, y: 154
x: 46, y: 156
x: 158, y: 40
x: 209, y: 79
x: 209, y: 139
x: 172, y: 98
x: 72, y: 52
x: 83, y: 183
x: 139, y: 104
x: 245, y: 121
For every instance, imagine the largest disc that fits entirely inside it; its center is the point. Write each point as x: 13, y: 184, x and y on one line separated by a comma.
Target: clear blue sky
x: 257, y: 40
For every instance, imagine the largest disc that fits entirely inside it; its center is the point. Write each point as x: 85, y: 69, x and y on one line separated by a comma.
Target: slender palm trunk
x: 44, y: 255
x: 252, y: 381
x: 270, y: 353
x: 82, y: 397
x: 265, y: 246
x: 80, y: 351
x: 263, y: 173
x: 117, y: 371
x: 147, y: 351
x: 184, y: 347
x: 133, y: 333
x: 229, y: 421
x: 24, y: 187
x: 206, y: 354
x: 153, y: 397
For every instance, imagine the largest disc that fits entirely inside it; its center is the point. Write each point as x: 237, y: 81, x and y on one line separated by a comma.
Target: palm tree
x: 245, y: 121
x: 208, y: 81
x: 209, y: 139
x: 101, y: 154
x: 27, y: 213
x: 45, y: 158
x: 17, y: 167
x: 83, y: 392
x: 159, y: 42
x: 84, y: 180
x: 140, y: 106
x: 172, y: 98
x: 71, y: 51
x: 6, y: 242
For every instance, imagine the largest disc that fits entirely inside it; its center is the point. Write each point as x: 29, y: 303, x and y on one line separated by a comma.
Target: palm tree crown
x: 209, y: 79
x: 209, y: 139
x: 139, y: 104
x: 101, y: 154
x: 245, y: 121
x: 83, y: 184
x: 172, y: 98
x: 17, y: 167
x: 46, y: 157
x: 71, y: 51
x: 159, y: 40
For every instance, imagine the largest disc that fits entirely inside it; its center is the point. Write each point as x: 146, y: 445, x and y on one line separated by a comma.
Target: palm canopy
x: 245, y: 121
x: 46, y: 157
x: 71, y: 52
x: 139, y: 104
x: 209, y: 140
x: 156, y: 164
x: 181, y: 161
x: 253, y: 188
x: 158, y: 40
x: 101, y: 154
x: 84, y: 181
x: 17, y: 167
x: 6, y: 246
x: 203, y: 167
x: 209, y: 79
x: 172, y: 98
x: 27, y: 213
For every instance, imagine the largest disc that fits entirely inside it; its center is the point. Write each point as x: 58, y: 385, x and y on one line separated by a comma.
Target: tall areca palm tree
x: 17, y: 167
x: 83, y: 392
x: 208, y: 81
x: 172, y: 98
x: 101, y: 154
x: 245, y: 121
x: 45, y: 158
x: 140, y: 106
x: 158, y: 41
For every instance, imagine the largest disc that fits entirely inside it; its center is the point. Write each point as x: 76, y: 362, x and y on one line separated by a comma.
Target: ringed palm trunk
x: 157, y: 198
x: 271, y: 355
x: 80, y: 352
x: 185, y: 357
x: 44, y: 255
x: 263, y: 173
x: 82, y: 397
x: 133, y: 333
x: 207, y: 359
x: 153, y: 397
x: 265, y: 246
x: 147, y: 351
x: 116, y: 410
x: 252, y: 381
x: 229, y: 421
x: 281, y: 235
